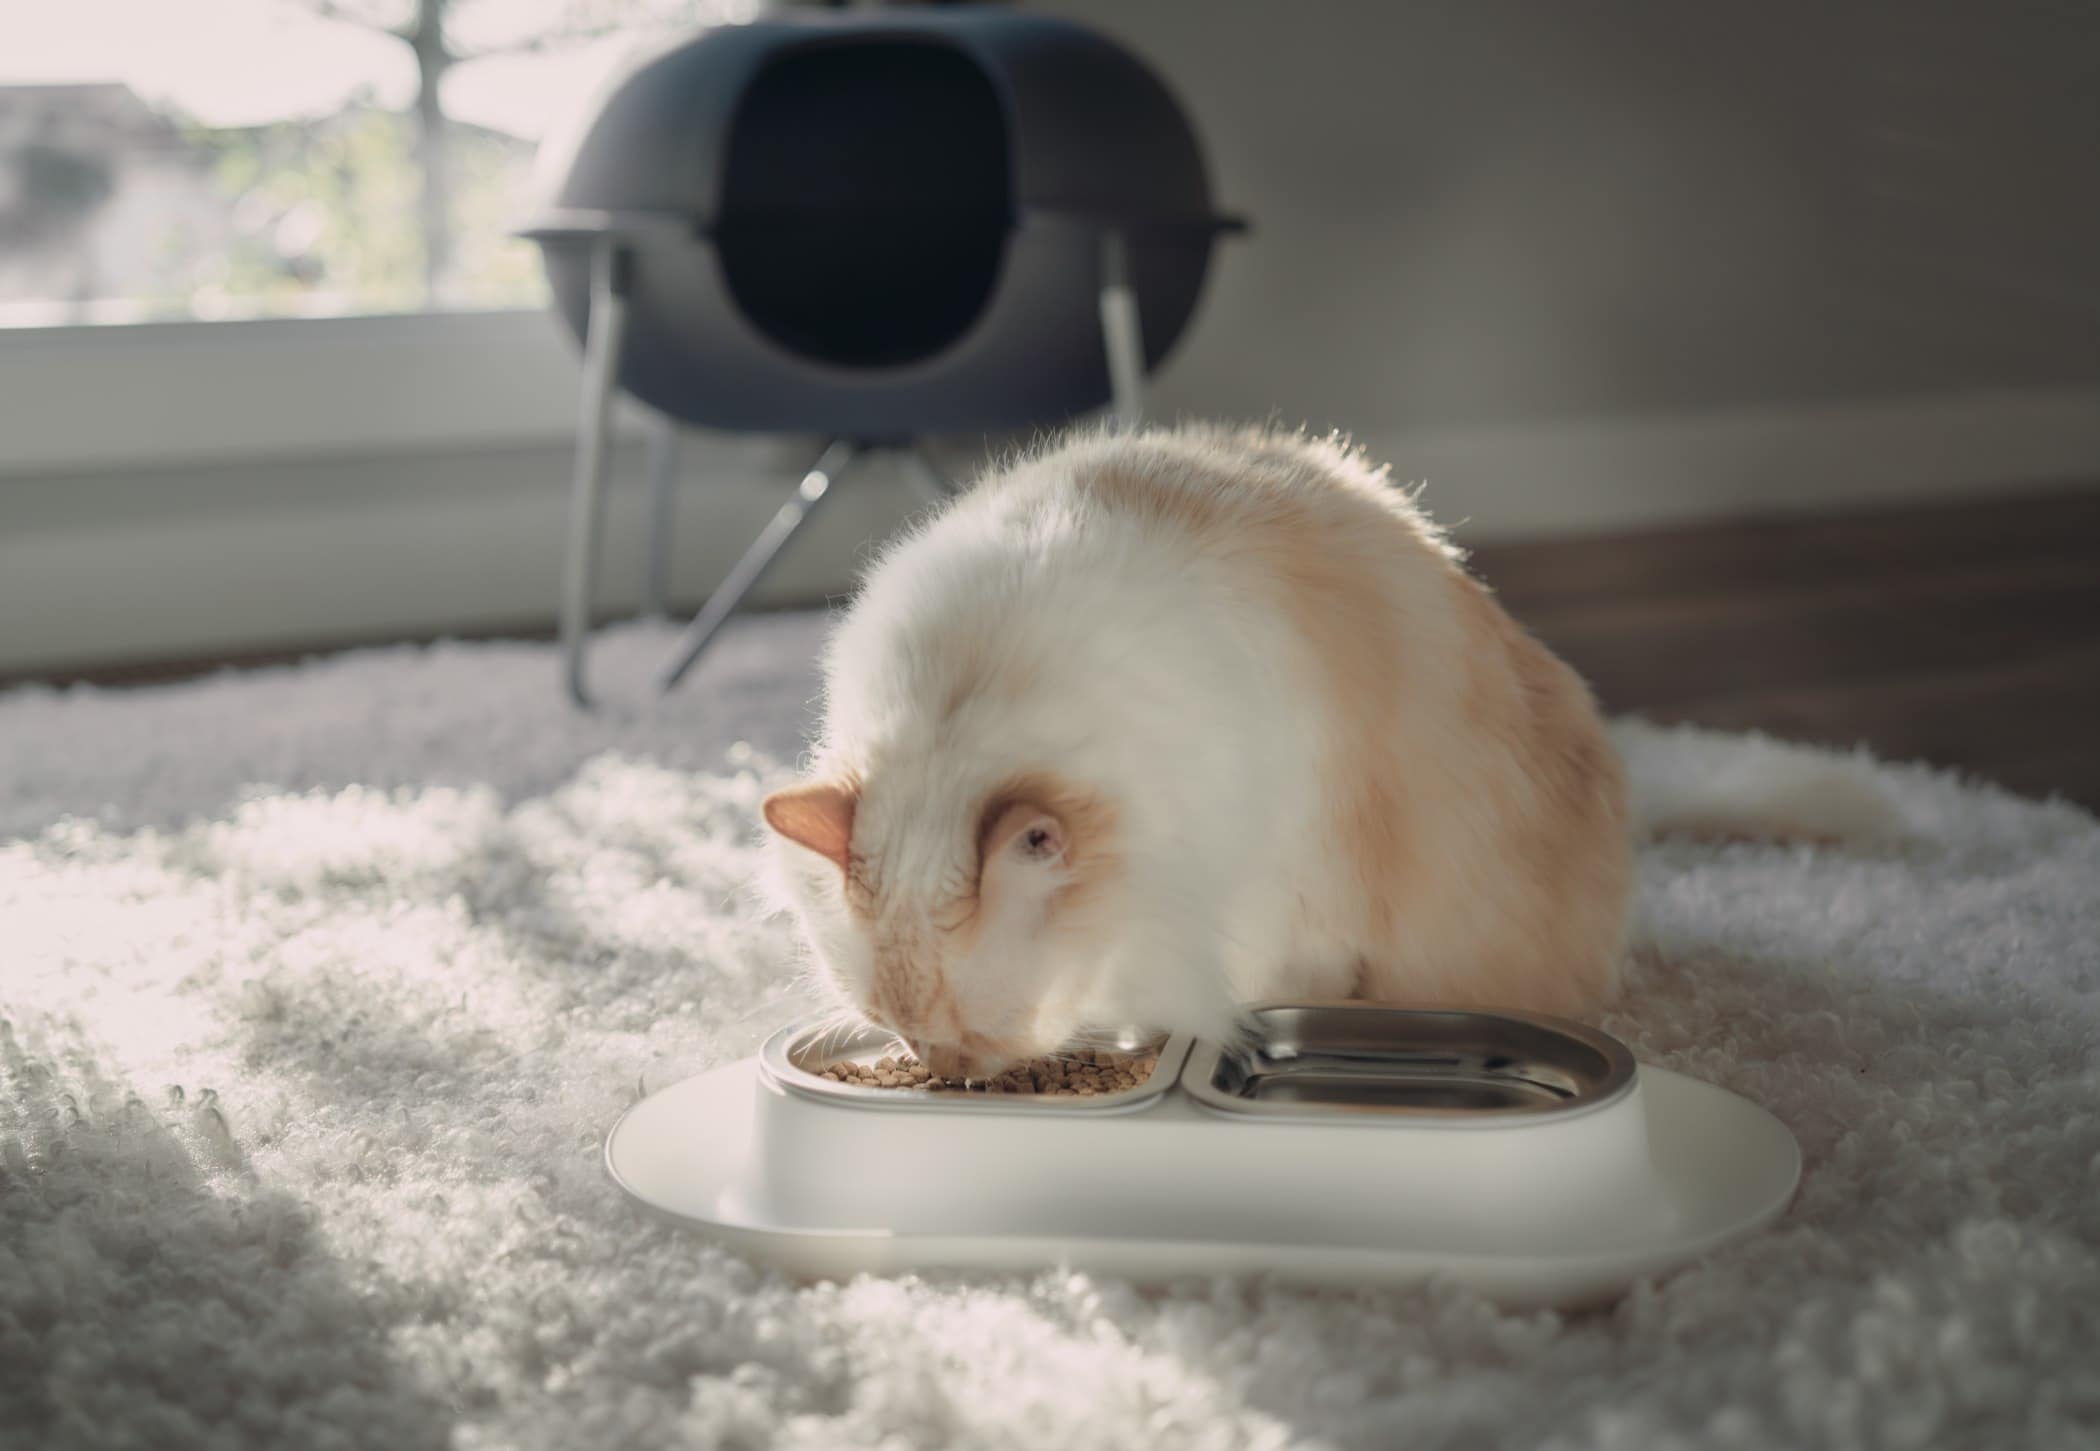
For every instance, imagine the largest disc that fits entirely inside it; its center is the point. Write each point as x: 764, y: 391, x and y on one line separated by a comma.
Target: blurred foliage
x: 63, y: 181
x: 503, y: 27
x: 324, y: 213
x: 323, y: 220
x: 53, y: 189
x: 305, y: 217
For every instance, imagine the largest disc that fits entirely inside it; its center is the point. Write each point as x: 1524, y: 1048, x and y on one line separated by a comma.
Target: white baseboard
x: 203, y: 559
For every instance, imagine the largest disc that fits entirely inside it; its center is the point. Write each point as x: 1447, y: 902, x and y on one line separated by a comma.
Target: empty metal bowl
x: 1323, y: 1061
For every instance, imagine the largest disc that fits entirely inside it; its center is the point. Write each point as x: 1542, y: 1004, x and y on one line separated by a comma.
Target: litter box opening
x: 867, y: 199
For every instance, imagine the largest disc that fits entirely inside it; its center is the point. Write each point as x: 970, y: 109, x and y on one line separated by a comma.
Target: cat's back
x: 1223, y: 492
x: 1305, y: 531
x: 1186, y: 590
x: 1452, y: 749
x: 1189, y: 538
x: 1088, y: 588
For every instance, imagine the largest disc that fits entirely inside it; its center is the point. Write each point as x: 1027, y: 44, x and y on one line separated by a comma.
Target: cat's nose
x: 944, y: 1060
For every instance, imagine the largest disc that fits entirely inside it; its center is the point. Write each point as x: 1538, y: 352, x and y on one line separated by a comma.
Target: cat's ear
x: 817, y: 815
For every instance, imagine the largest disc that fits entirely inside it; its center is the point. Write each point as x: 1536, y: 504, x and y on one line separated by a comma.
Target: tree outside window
x: 233, y: 158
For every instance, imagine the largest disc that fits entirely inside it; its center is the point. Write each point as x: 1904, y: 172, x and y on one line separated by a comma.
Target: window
x: 288, y: 158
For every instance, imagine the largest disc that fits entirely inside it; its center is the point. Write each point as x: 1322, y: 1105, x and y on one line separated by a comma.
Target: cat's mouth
x: 970, y: 1054
x: 976, y: 1056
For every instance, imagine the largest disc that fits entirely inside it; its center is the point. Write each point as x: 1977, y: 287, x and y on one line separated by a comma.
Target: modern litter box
x: 870, y: 226
x: 1347, y: 1144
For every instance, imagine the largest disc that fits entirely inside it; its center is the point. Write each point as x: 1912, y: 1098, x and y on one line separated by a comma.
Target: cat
x: 1145, y: 727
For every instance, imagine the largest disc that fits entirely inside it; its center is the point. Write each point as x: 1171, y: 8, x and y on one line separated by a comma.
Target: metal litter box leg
x: 605, y: 326
x: 663, y: 499
x: 792, y: 515
x: 1120, y: 333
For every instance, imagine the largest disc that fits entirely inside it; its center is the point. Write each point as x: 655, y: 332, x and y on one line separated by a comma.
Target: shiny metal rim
x: 1600, y: 1089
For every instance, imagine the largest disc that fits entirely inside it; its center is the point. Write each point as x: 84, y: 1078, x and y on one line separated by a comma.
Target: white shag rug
x: 321, y: 986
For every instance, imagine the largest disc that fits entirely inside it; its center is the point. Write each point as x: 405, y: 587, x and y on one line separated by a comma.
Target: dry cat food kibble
x: 1085, y: 1073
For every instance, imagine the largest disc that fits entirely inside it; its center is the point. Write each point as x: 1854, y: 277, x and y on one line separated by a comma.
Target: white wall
x: 1482, y: 212
x: 206, y: 559
x: 1580, y: 267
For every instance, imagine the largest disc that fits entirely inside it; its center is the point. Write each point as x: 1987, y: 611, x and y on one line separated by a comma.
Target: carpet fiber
x: 322, y: 984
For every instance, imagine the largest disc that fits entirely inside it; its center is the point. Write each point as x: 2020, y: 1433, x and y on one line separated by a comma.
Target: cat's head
x: 959, y: 919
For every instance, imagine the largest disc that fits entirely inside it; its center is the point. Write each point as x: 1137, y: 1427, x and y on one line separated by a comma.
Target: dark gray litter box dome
x: 879, y: 224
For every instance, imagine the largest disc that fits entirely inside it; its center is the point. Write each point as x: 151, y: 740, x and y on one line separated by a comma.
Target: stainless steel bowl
x: 1324, y: 1061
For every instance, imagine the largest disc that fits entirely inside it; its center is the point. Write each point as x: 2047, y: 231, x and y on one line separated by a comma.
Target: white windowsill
x: 85, y: 398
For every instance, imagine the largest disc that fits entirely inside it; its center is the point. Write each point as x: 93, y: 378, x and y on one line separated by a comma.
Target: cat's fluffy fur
x: 1142, y: 727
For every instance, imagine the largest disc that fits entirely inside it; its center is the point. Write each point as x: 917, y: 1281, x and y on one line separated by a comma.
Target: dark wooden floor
x: 1967, y: 635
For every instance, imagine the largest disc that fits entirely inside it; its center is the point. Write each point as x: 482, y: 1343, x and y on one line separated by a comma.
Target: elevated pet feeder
x: 869, y: 227
x: 1344, y: 1144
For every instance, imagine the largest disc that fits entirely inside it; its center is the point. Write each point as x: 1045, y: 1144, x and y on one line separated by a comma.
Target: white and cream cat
x: 1144, y: 727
